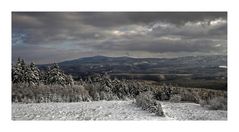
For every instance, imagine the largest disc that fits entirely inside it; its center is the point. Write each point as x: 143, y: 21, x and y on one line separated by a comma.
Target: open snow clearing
x: 111, y: 110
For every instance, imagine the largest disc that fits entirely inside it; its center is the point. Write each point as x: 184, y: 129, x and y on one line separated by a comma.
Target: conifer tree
x: 23, y: 73
x: 19, y: 71
x: 33, y: 74
x: 55, y: 75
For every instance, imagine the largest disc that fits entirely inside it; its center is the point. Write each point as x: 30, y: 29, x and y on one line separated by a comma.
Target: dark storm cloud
x: 59, y: 26
x: 48, y: 33
x: 109, y: 19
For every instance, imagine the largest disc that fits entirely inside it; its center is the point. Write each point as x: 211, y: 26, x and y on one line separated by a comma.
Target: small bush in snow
x: 203, y: 103
x: 146, y: 102
x: 163, y: 93
x: 175, y: 98
x: 188, y: 96
x: 217, y: 103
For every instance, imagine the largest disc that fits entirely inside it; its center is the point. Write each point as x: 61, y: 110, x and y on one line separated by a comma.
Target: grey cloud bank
x: 46, y: 37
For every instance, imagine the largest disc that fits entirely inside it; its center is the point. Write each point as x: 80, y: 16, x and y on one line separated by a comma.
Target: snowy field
x: 111, y: 110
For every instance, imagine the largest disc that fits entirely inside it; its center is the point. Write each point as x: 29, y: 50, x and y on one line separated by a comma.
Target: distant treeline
x: 177, y: 80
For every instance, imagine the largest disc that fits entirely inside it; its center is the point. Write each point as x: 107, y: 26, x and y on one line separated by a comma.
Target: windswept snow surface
x: 111, y: 110
x: 191, y: 111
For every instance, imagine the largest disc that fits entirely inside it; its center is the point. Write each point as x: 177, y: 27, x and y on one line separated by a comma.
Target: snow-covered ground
x: 111, y: 110
x: 191, y: 111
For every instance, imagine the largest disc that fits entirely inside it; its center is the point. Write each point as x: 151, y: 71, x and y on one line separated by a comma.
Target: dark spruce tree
x: 23, y: 73
x: 55, y: 75
x: 32, y: 74
x: 18, y: 71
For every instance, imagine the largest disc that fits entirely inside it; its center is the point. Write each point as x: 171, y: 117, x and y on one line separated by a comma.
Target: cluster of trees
x: 102, y: 87
x: 30, y: 74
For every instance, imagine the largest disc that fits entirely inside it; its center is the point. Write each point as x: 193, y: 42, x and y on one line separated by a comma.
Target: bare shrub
x: 162, y: 92
x: 146, y: 102
x: 203, y: 103
x: 217, y: 103
x: 175, y: 98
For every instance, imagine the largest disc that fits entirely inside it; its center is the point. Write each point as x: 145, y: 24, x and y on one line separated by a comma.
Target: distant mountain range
x: 101, y: 64
x: 192, y: 61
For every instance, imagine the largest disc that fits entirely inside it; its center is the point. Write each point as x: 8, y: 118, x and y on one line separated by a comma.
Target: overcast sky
x: 54, y: 37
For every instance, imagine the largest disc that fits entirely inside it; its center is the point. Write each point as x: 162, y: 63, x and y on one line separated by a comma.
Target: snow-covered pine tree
x: 55, y: 75
x: 23, y: 73
x: 34, y: 74
x: 19, y: 71
x: 16, y: 72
